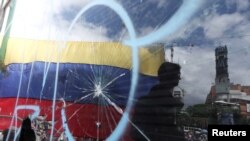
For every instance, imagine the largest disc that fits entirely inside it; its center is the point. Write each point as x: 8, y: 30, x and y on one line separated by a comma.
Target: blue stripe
x: 75, y: 81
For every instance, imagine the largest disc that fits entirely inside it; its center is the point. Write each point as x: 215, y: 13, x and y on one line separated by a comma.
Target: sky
x: 217, y: 22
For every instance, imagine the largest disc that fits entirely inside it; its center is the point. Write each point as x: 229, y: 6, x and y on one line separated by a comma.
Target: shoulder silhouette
x: 155, y: 113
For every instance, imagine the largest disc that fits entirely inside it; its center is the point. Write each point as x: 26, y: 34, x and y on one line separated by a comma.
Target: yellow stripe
x: 99, y: 53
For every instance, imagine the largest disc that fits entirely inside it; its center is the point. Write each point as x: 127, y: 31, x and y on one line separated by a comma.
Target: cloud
x: 197, y: 72
x: 216, y: 25
x: 198, y: 63
x: 160, y: 3
x: 89, y: 32
x: 66, y: 5
x: 243, y: 4
x: 198, y: 69
x: 239, y: 67
x: 146, y: 30
x: 240, y: 4
x: 43, y: 20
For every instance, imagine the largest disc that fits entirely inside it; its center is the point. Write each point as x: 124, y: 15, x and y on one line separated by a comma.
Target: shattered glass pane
x: 123, y: 69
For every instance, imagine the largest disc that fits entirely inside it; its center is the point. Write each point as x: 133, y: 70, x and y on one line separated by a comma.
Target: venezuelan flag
x: 94, y: 79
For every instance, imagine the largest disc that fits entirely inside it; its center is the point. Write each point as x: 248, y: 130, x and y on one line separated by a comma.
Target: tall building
x: 225, y: 91
x: 222, y: 81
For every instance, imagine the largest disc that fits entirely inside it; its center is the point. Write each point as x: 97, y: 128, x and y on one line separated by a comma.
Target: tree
x: 197, y: 116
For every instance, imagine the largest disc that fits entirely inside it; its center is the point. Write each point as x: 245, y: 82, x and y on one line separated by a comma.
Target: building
x: 222, y: 77
x: 223, y: 90
x: 237, y: 93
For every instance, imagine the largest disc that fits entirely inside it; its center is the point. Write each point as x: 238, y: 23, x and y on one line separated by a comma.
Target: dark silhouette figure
x: 27, y: 133
x: 155, y: 113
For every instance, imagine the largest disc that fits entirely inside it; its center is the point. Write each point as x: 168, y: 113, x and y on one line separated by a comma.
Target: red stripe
x: 81, y: 118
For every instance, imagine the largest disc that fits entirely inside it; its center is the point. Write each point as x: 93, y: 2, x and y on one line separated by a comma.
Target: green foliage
x: 195, y: 115
x: 198, y: 116
x: 200, y: 110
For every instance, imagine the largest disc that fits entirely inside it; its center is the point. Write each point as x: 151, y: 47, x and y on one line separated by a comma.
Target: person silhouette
x: 27, y: 133
x: 155, y: 113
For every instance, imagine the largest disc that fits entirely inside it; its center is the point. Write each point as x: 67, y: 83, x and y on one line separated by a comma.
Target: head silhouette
x: 26, y: 123
x: 27, y: 133
x: 169, y: 74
